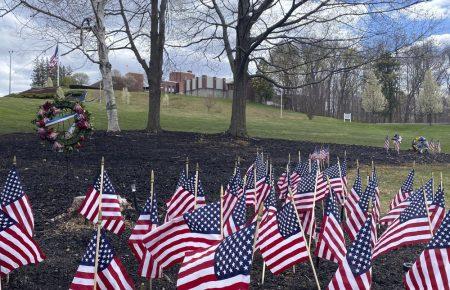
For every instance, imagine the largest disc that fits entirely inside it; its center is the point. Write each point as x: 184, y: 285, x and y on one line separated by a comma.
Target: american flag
x: 237, y: 219
x: 386, y: 143
x: 270, y: 205
x: 54, y: 60
x: 17, y: 247
x: 14, y: 202
x: 376, y: 198
x: 183, y: 200
x: 397, y: 145
x: 112, y: 219
x: 334, y: 175
x: 300, y: 170
x: 331, y: 242
x: 357, y: 216
x: 282, y: 184
x: 192, y: 231
x: 405, y: 190
x: 147, y: 221
x: 432, y: 269
x: 251, y: 192
x: 225, y: 265
x: 232, y: 194
x: 351, y: 202
x: 281, y: 242
x: 437, y: 208
x: 394, y: 213
x: 304, y: 197
x: 355, y: 271
x: 263, y: 188
x: 412, y: 227
x: 344, y: 172
x: 111, y: 274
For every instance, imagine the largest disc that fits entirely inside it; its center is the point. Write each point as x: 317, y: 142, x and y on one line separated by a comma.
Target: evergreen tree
x: 387, y: 71
x: 430, y: 97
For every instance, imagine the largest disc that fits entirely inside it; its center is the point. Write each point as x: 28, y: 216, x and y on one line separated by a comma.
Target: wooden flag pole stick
x: 428, y: 211
x: 221, y: 211
x: 309, y: 164
x: 299, y: 156
x: 304, y: 237
x: 357, y: 164
x: 432, y: 181
x: 196, y: 186
x: 187, y: 167
x: 235, y: 167
x: 99, y: 222
x: 152, y: 182
x: 14, y: 160
x: 313, y: 208
x: 254, y: 185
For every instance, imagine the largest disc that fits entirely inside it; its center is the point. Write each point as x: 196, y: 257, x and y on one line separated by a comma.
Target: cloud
x: 430, y: 10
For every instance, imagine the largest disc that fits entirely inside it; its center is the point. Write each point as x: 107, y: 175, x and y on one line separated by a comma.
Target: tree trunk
x: 105, y: 67
x: 154, y: 75
x: 238, y: 126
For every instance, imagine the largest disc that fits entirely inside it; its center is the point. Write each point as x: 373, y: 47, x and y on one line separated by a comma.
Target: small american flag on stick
x: 112, y: 219
x: 183, y: 200
x: 412, y: 227
x: 14, y: 202
x: 148, y: 220
x: 111, y: 274
x: 192, y: 231
x: 226, y: 265
x: 405, y: 190
x: 331, y: 242
x: 17, y: 247
x: 281, y: 241
x: 431, y: 270
x: 387, y: 143
x: 355, y: 271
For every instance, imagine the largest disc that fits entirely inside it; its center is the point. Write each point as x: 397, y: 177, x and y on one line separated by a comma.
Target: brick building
x: 205, y: 86
x: 180, y: 78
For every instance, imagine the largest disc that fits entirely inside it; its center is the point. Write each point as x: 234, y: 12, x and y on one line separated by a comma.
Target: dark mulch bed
x: 52, y: 181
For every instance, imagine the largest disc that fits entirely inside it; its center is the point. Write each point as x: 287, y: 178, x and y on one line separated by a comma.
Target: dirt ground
x: 52, y: 180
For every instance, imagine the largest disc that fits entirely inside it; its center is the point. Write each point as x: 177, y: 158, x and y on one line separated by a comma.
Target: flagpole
x: 57, y: 64
x: 221, y: 211
x: 263, y: 274
x: 299, y: 157
x: 304, y: 237
x: 99, y: 223
x: 254, y: 184
x: 314, y: 207
x: 196, y: 186
x: 187, y: 167
x: 152, y: 182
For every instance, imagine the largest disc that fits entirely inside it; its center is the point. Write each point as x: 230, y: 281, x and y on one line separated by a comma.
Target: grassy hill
x: 187, y: 113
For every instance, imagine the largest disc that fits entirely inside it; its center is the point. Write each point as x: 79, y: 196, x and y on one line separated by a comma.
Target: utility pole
x: 10, y: 69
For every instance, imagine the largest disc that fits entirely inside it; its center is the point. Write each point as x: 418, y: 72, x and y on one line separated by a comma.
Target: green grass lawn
x: 187, y: 113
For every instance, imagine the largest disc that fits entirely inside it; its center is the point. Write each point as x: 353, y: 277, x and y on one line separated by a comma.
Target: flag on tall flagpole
x: 54, y: 59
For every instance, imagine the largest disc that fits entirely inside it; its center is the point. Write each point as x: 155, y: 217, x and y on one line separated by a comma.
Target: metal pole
x: 57, y: 65
x: 10, y: 69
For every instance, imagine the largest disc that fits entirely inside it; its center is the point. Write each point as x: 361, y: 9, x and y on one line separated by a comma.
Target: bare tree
x: 65, y: 21
x: 139, y: 18
x: 245, y: 30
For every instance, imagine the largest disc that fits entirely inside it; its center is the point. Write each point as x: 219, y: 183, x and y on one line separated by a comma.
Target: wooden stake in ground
x: 428, y: 211
x: 313, y: 208
x: 187, y: 167
x: 221, y: 211
x: 152, y: 183
x: 196, y: 186
x: 99, y: 223
x: 304, y: 237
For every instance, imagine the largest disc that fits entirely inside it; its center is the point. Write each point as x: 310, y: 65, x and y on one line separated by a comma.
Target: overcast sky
x: 26, y: 49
